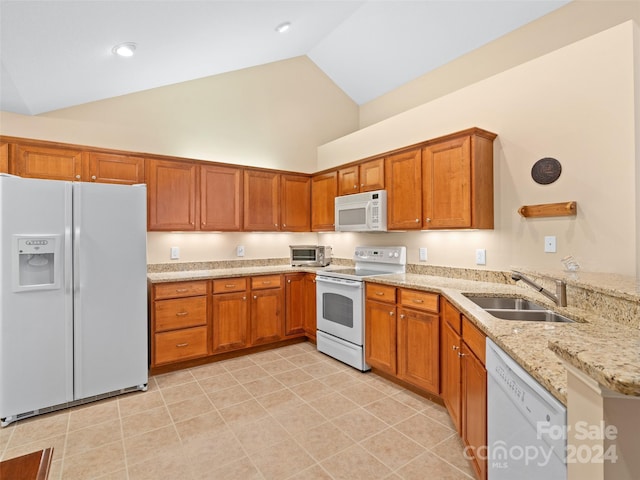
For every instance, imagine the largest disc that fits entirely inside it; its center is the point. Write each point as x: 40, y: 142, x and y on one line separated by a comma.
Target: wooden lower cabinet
x: 310, y: 307
x: 179, y: 322
x: 230, y: 315
x: 418, y: 349
x: 267, y: 319
x: 380, y: 336
x: 464, y: 386
x: 295, y: 303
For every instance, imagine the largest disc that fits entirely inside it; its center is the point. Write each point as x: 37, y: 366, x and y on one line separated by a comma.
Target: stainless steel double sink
x: 513, y: 308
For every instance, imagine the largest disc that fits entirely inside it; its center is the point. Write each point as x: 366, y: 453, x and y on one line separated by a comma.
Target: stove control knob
x: 396, y: 254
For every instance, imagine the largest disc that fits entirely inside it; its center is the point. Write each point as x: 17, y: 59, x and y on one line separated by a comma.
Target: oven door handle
x: 339, y: 281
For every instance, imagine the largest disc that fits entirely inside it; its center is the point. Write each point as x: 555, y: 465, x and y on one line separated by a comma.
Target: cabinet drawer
x: 381, y: 293
x: 238, y: 284
x: 180, y: 313
x: 180, y: 345
x: 420, y: 300
x: 452, y: 316
x: 265, y: 281
x: 474, y: 338
x: 180, y: 289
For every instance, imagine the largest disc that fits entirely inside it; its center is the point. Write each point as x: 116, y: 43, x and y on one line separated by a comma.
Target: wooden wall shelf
x: 549, y: 210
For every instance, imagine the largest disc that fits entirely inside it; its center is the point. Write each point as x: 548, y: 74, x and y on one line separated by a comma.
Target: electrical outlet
x: 550, y: 244
x: 240, y: 251
x: 423, y: 254
x: 175, y: 253
x: 481, y: 256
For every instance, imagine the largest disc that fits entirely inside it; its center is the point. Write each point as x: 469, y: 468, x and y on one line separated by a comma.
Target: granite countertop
x: 606, y: 351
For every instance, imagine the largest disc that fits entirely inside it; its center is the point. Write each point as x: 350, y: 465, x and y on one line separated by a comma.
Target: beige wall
x: 575, y: 21
x: 576, y: 104
x: 271, y: 116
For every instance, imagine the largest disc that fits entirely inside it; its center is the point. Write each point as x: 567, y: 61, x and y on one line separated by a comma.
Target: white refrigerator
x: 73, y: 294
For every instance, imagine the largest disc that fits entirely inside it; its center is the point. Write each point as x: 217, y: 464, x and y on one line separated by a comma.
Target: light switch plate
x: 481, y: 256
x: 550, y: 244
x: 240, y: 251
x: 175, y: 253
x: 423, y: 254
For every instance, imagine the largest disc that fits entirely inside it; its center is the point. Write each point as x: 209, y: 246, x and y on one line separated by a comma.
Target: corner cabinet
x: 464, y: 382
x: 457, y: 181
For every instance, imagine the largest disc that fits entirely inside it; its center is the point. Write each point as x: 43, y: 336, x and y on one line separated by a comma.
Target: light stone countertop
x: 604, y: 350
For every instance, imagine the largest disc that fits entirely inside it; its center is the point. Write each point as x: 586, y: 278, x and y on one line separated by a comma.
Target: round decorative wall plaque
x: 546, y: 170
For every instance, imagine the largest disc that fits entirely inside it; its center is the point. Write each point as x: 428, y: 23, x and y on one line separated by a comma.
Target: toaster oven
x: 310, y: 255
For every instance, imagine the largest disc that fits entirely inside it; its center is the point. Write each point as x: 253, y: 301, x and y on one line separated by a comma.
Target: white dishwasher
x: 526, y: 425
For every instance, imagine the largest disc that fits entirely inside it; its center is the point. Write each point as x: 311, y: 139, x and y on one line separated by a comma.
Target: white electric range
x: 340, y: 302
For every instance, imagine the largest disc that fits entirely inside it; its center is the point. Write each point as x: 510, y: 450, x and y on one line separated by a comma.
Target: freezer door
x: 36, y: 308
x: 110, y: 285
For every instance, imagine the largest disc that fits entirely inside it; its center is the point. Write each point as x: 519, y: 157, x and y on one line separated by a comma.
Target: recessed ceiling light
x: 124, y: 49
x: 283, y: 27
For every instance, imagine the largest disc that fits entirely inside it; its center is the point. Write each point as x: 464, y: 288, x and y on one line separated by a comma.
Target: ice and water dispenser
x: 36, y: 262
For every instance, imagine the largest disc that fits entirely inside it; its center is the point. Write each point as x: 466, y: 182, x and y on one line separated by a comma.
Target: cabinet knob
x: 284, y: 225
x: 93, y: 177
x: 244, y: 298
x: 461, y: 355
x: 402, y: 315
x: 355, y: 187
x: 288, y: 281
x: 454, y: 347
x: 417, y: 220
x: 391, y: 313
x: 428, y: 220
x: 362, y: 185
x: 255, y: 297
x: 276, y: 224
x: 77, y: 177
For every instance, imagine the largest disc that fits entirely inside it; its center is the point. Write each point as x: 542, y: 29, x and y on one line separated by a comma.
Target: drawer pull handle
x: 229, y: 285
x: 181, y: 290
x: 181, y: 314
x: 417, y: 300
x: 266, y: 282
x: 182, y: 345
x: 380, y: 294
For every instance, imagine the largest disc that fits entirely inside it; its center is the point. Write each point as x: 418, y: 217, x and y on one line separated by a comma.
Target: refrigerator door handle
x: 68, y: 285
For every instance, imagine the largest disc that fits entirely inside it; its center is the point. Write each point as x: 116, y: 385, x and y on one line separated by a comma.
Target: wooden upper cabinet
x: 457, y: 182
x: 324, y: 189
x: 261, y: 200
x: 171, y: 195
x: 364, y: 177
x: 4, y: 157
x: 46, y: 162
x: 220, y: 198
x: 403, y: 182
x: 295, y: 203
x: 114, y: 168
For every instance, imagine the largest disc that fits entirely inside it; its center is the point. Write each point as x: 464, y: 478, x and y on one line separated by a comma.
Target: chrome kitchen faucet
x: 560, y: 298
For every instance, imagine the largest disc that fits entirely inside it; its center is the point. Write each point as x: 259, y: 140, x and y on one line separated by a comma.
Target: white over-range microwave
x: 362, y: 212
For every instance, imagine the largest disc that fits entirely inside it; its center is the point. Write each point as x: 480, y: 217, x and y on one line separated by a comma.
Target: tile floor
x: 289, y: 413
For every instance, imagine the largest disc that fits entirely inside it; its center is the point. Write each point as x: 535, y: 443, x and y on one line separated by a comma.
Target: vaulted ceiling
x: 57, y: 54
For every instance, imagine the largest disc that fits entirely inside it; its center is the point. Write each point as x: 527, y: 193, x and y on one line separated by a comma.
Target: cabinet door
x: 404, y: 184
x: 230, y: 321
x: 261, y: 200
x: 295, y: 203
x: 114, y: 168
x: 450, y: 374
x: 295, y: 303
x: 372, y: 175
x: 419, y: 349
x: 310, y: 314
x: 446, y: 184
x: 171, y: 195
x: 46, y: 162
x: 380, y: 336
x: 220, y: 198
x: 349, y: 180
x: 324, y: 189
x: 4, y: 157
x: 474, y: 408
x: 266, y: 316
